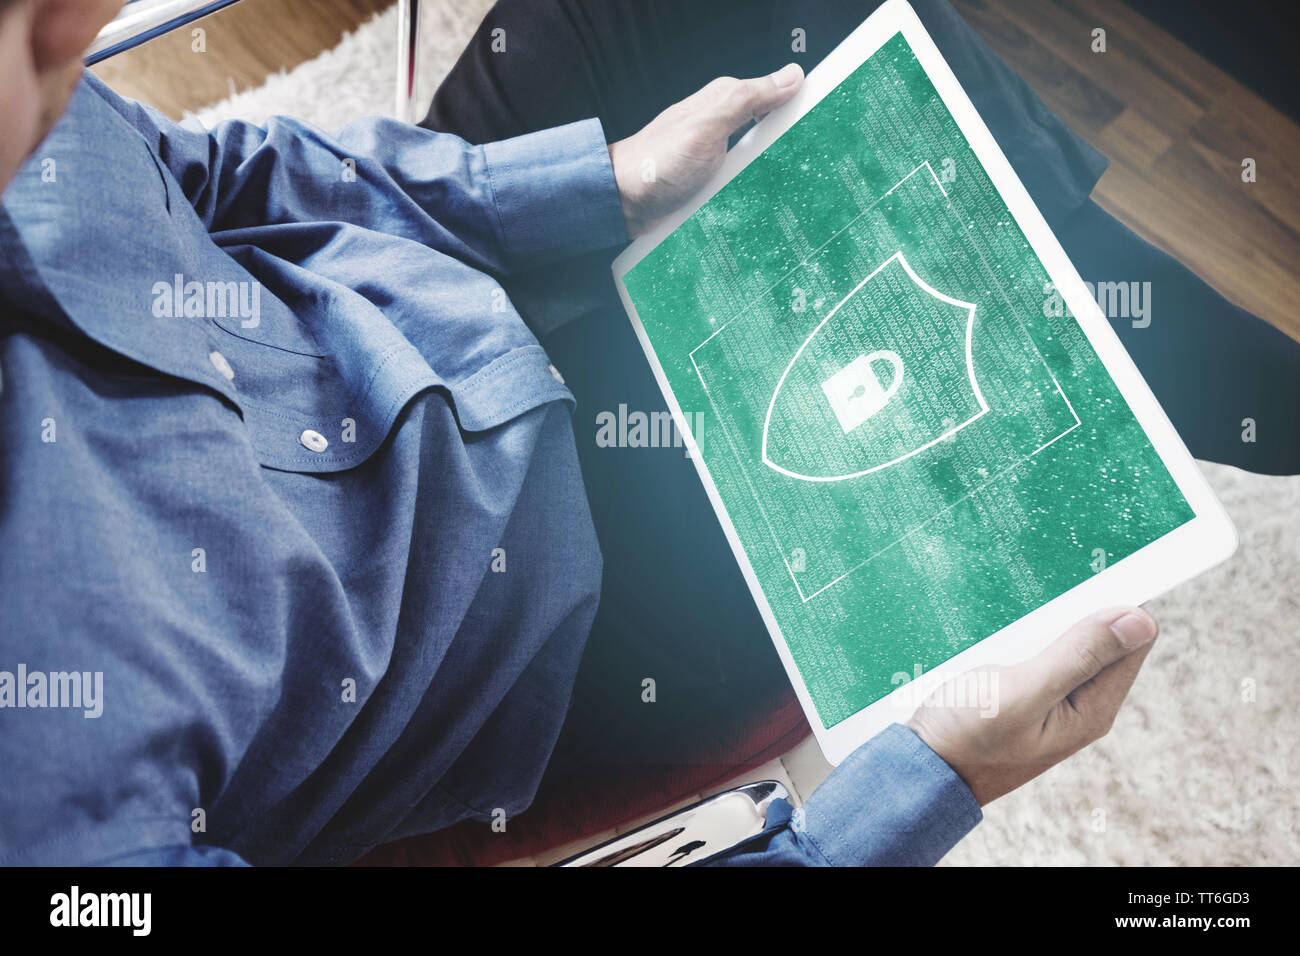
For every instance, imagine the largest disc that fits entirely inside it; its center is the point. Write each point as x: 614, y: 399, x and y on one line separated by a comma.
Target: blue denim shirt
x: 283, y: 464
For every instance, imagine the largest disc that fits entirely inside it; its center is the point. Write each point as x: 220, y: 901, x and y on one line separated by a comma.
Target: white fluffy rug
x: 1201, y: 767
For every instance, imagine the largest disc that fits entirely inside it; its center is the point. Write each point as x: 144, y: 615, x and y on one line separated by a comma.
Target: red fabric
x: 567, y: 810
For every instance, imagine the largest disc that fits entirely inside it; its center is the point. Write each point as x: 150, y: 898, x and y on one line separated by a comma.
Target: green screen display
x: 914, y: 447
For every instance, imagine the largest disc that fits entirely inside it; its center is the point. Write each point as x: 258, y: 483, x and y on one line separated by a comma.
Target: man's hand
x: 658, y: 168
x: 1048, y: 708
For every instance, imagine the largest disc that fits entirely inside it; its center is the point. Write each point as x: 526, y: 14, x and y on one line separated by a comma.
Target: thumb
x: 1084, y: 651
x: 751, y: 100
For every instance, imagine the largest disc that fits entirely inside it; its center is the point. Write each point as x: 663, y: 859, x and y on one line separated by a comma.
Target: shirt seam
x: 506, y: 246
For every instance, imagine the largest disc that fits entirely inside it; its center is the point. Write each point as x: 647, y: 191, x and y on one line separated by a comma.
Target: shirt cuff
x: 555, y: 193
x: 892, y: 802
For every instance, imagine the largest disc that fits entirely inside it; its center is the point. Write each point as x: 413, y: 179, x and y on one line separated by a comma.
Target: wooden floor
x: 245, y: 43
x: 1175, y: 127
x: 1176, y: 130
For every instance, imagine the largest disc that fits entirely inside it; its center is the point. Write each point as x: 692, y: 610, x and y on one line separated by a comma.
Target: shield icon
x: 886, y: 375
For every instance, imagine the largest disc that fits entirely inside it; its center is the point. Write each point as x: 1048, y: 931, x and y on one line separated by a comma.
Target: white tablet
x: 923, y: 440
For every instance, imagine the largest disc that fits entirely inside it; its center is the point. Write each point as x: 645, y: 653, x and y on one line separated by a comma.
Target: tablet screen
x: 913, y: 439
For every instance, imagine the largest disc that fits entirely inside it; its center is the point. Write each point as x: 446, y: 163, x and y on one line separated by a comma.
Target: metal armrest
x: 690, y: 834
x: 408, y: 59
x: 142, y: 20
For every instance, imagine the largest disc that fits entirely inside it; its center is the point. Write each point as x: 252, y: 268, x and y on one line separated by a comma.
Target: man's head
x: 41, y: 43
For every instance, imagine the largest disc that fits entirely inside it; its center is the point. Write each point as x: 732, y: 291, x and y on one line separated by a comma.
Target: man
x: 270, y: 420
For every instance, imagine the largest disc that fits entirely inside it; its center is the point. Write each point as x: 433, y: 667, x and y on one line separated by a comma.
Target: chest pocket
x: 329, y: 411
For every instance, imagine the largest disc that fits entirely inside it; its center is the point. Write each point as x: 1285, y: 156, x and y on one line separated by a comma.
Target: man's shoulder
x: 95, y: 97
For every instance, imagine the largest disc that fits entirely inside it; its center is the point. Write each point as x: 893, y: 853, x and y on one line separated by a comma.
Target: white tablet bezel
x: 1196, y: 546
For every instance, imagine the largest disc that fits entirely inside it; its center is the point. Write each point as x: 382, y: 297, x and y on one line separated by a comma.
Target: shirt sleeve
x: 502, y: 207
x: 893, y: 802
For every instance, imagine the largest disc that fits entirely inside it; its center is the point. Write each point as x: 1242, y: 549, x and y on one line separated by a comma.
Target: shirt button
x: 313, y: 441
x: 556, y: 373
x: 221, y: 365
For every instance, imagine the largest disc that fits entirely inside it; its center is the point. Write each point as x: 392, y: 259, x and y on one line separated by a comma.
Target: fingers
x: 737, y: 102
x: 1085, y: 651
x: 1099, y: 699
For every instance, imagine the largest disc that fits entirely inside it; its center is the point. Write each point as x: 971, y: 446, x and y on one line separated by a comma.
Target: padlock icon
x: 855, y: 392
